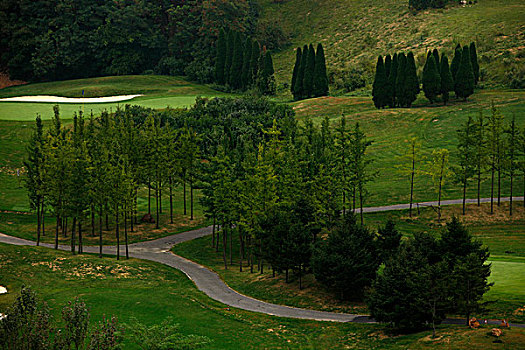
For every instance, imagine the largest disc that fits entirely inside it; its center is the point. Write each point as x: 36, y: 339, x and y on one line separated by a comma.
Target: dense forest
x: 64, y: 39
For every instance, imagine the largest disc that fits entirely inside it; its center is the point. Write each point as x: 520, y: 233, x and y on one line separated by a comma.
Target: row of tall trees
x: 396, y: 82
x: 241, y: 64
x: 424, y: 4
x: 309, y: 77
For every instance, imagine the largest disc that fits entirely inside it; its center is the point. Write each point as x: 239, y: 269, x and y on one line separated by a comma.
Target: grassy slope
x: 158, y: 91
x: 354, y: 32
x: 151, y: 292
x: 504, y: 236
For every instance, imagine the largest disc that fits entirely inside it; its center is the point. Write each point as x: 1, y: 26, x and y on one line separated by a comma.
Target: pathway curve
x: 210, y: 283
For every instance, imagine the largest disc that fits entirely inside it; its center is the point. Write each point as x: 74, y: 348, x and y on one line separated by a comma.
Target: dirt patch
x: 6, y: 82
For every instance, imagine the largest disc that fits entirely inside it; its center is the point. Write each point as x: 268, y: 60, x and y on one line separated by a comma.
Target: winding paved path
x: 211, y: 284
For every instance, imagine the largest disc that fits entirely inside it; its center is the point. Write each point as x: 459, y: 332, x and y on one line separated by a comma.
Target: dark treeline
x: 309, y: 77
x: 61, y: 39
x: 396, y: 83
x: 437, y: 4
x: 241, y: 64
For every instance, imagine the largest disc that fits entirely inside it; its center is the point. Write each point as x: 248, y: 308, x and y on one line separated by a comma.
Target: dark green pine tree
x: 431, y: 79
x: 464, y: 82
x: 230, y: 40
x: 320, y: 79
x: 220, y: 59
x: 308, y: 80
x: 392, y: 81
x: 447, y: 83
x: 298, y: 55
x: 456, y: 61
x: 246, y: 69
x: 400, y: 80
x: 236, y: 67
x: 389, y: 88
x: 411, y: 80
x: 474, y: 61
x: 435, y: 52
x: 254, y: 61
x: 388, y: 65
x: 266, y: 78
x: 379, y: 88
x: 298, y: 88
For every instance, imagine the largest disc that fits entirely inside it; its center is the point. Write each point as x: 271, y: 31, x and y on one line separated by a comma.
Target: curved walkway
x: 211, y: 284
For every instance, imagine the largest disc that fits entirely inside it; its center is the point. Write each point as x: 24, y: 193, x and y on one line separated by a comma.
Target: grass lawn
x: 499, y: 233
x: 158, y: 91
x: 151, y: 292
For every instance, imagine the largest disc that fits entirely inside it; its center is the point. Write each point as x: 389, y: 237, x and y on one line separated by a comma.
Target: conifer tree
x: 320, y: 82
x: 435, y: 53
x: 299, y: 91
x: 389, y: 87
x: 464, y: 82
x: 388, y: 65
x: 379, y: 88
x: 456, y: 61
x: 474, y: 61
x: 431, y: 79
x: 254, y: 64
x: 266, y: 80
x: 447, y: 83
x: 308, y: 79
x: 400, y: 80
x: 230, y: 41
x: 246, y: 70
x: 412, y: 81
x: 298, y: 54
x: 392, y: 81
x: 237, y: 61
x: 220, y: 59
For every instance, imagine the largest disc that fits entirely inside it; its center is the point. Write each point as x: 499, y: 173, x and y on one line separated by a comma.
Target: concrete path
x: 211, y: 284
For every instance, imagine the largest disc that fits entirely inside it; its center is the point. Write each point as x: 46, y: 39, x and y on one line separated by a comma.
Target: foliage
x: 464, y: 80
x: 431, y: 79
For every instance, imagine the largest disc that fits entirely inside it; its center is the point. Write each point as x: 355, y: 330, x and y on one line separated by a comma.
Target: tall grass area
x: 151, y: 292
x: 354, y: 32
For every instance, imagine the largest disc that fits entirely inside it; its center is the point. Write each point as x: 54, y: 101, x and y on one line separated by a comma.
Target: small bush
x: 200, y: 71
x: 515, y: 76
x: 170, y: 66
x: 348, y: 79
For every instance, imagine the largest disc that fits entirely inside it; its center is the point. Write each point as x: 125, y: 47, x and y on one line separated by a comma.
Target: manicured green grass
x: 158, y: 91
x: 354, y: 32
x: 152, y: 292
x: 500, y: 233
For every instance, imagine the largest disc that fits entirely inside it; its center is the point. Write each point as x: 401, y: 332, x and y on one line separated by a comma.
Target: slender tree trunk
x: 64, y: 228
x: 464, y: 194
x: 191, y: 199
x: 157, y: 200
x: 184, y: 192
x: 240, y: 249
x: 56, y: 232
x: 126, y: 232
x: 213, y: 233
x: 42, y: 220
x: 412, y: 185
x: 499, y: 186
x: 439, y: 196
x: 80, y: 236
x: 160, y: 198
x: 479, y: 188
x: 361, y: 203
x: 286, y: 274
x: 38, y: 218
x: 100, y: 233
x: 117, y: 233
x: 107, y: 217
x: 149, y: 197
x: 492, y: 191
x: 224, y: 246
x: 92, y: 221
x: 261, y: 257
x: 73, y: 235
x: 511, y: 190
x: 231, y: 245
x: 300, y: 277
x: 171, y: 203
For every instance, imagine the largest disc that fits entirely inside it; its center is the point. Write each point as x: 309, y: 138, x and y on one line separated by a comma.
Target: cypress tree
x: 230, y: 39
x: 400, y: 80
x: 431, y: 79
x: 220, y: 59
x: 299, y: 91
x: 236, y: 67
x: 389, y: 88
x: 435, y: 52
x: 308, y: 80
x: 379, y: 87
x: 464, y: 83
x: 411, y: 80
x: 267, y: 79
x: 254, y: 64
x: 320, y: 83
x: 474, y: 61
x: 447, y: 83
x: 246, y: 69
x: 392, y: 81
x: 388, y: 65
x: 295, y: 71
x: 456, y: 61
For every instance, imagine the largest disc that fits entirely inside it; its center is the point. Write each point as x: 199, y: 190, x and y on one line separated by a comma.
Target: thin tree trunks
x: 171, y: 204
x: 126, y: 232
x: 100, y: 233
x: 117, y: 233
x: 73, y: 235
x: 224, y: 246
x: 80, y: 236
x: 56, y: 231
x: 38, y: 218
x: 191, y: 200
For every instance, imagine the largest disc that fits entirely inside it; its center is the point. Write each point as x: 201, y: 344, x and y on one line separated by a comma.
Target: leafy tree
x: 447, y: 83
x: 299, y: 88
x: 298, y: 54
x: 220, y: 58
x: 512, y: 136
x: 466, y: 155
x: 435, y: 53
x: 308, y: 79
x: 392, y: 82
x: 230, y: 46
x: 474, y: 61
x: 235, y: 76
x: 495, y: 147
x: 346, y: 261
x: 440, y: 171
x: 320, y: 81
x: 408, y: 165
x: 464, y: 81
x: 411, y: 80
x: 379, y: 89
x: 254, y: 60
x: 480, y: 153
x: 431, y: 79
x: 389, y: 239
x: 401, y: 90
x: 456, y: 62
x: 266, y: 76
x: 246, y: 70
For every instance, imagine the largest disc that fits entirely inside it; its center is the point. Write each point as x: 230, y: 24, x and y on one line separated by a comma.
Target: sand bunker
x: 58, y: 99
x: 3, y: 290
